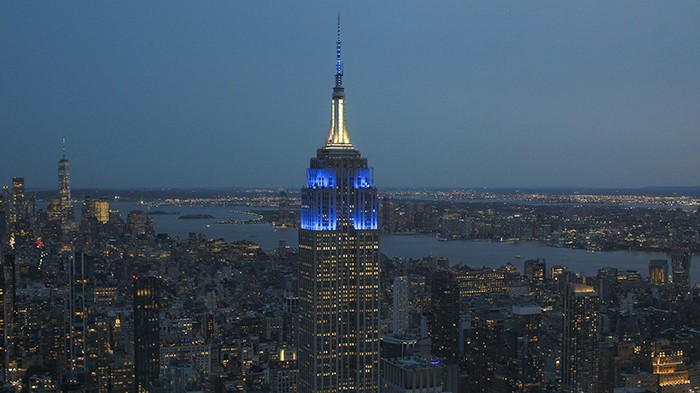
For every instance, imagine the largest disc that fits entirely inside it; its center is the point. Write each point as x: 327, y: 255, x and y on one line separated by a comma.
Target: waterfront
x: 466, y: 252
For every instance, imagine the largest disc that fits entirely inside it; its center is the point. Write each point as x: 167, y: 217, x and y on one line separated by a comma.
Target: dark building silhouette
x: 146, y: 332
x: 79, y: 365
x: 4, y: 214
x: 535, y: 270
x: 3, y: 318
x: 524, y: 351
x: 8, y: 275
x: 680, y: 264
x: 444, y: 325
x: 485, y: 351
x: 607, y: 285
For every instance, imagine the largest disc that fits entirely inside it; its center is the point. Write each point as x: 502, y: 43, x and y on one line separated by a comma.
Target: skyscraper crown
x: 338, y: 137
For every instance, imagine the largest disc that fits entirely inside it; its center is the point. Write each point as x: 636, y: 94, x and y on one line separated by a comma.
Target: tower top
x: 338, y: 59
x: 338, y: 138
x: 63, y: 148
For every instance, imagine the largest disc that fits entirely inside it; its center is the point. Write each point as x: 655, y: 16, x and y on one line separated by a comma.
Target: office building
x: 444, y: 325
x: 79, y: 364
x: 18, y: 212
x: 3, y: 344
x: 399, y: 316
x: 284, y: 372
x: 339, y: 264
x: 4, y: 214
x: 64, y: 197
x: 581, y: 336
x: 658, y: 272
x: 97, y: 209
x: 485, y: 350
x: 412, y: 375
x: 146, y: 332
x: 680, y: 264
x: 487, y: 280
x: 8, y: 275
x: 535, y: 270
x: 524, y: 351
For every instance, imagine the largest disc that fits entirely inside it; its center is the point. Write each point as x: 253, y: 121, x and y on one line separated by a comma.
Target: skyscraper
x: 4, y: 214
x: 18, y: 213
x: 680, y: 264
x: 535, y: 270
x: 581, y: 336
x: 95, y: 208
x: 524, y: 349
x: 399, y: 313
x: 8, y: 273
x: 3, y: 337
x: 339, y: 264
x: 146, y: 332
x: 658, y: 272
x: 64, y: 187
x: 444, y: 304
x: 80, y: 309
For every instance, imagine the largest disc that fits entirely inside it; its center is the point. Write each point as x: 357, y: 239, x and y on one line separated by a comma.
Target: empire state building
x: 339, y: 264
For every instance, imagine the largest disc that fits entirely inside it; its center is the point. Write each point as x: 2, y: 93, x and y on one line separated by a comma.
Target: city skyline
x: 224, y: 95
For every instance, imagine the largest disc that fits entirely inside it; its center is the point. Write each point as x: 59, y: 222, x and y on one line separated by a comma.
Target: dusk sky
x: 452, y: 94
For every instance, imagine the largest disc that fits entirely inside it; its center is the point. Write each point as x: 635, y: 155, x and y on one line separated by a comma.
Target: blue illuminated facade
x: 319, y: 210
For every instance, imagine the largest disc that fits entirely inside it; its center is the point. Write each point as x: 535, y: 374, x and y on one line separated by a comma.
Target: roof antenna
x: 338, y: 60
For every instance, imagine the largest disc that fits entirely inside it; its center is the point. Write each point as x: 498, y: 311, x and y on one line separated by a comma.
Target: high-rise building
x: 607, y: 284
x: 581, y: 336
x: 3, y: 336
x: 136, y: 222
x: 399, y: 312
x: 526, y: 368
x: 339, y: 264
x: 8, y: 277
x: 79, y: 364
x: 64, y: 187
x: 535, y: 270
x: 680, y: 264
x: 658, y: 272
x: 146, y: 332
x: 444, y: 325
x: 95, y: 208
x: 485, y: 351
x: 18, y: 212
x: 4, y: 214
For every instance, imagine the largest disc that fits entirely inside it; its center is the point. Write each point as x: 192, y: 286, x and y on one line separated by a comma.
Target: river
x: 468, y: 252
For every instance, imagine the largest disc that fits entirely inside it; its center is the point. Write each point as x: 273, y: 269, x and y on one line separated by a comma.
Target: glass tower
x: 64, y: 187
x: 339, y: 264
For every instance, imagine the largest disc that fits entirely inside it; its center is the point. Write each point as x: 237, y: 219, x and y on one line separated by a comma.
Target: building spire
x: 338, y: 59
x: 338, y: 137
x: 64, y: 148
